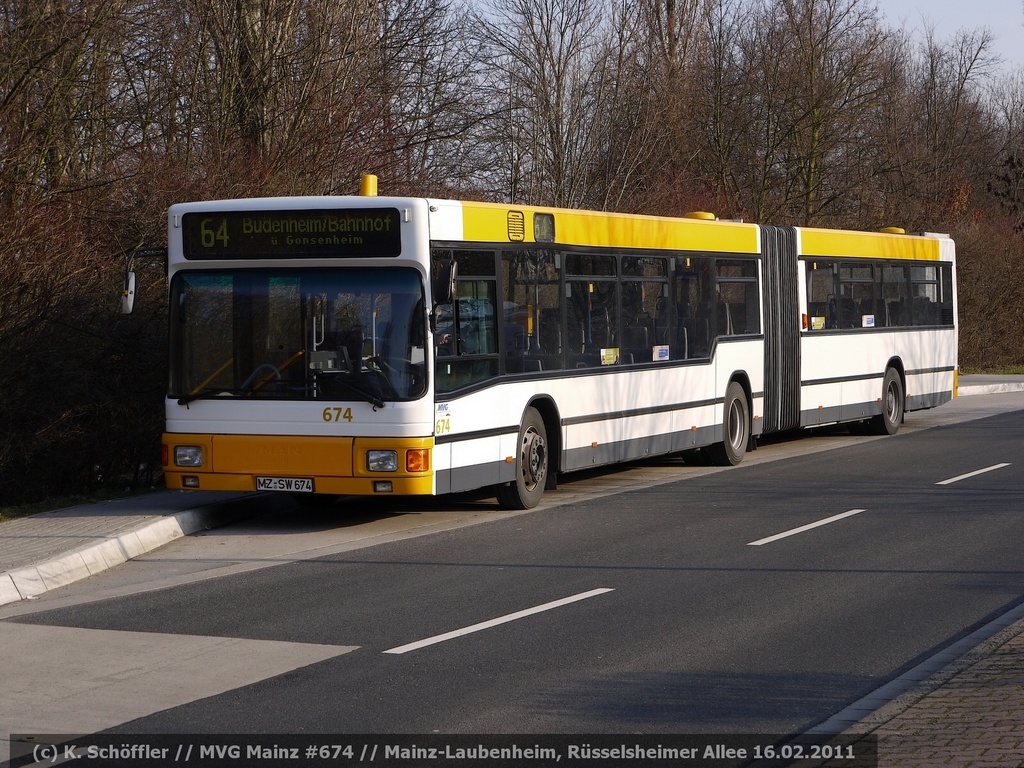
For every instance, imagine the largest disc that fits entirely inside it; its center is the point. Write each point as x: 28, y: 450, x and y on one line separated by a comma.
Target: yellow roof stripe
x: 498, y: 223
x: 489, y: 223
x: 830, y: 242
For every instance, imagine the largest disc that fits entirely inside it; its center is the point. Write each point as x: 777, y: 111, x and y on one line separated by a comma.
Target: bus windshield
x: 297, y: 334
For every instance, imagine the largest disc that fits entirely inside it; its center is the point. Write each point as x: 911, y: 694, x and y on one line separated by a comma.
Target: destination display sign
x: 319, y: 233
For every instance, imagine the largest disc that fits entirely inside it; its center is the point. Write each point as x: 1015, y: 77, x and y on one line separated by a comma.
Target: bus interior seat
x: 697, y: 331
x: 848, y: 316
x: 724, y: 317
x: 634, y: 342
x: 599, y: 336
x: 515, y: 348
x: 896, y: 311
x: 925, y: 311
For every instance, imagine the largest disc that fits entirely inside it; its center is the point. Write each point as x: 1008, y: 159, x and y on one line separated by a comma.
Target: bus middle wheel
x: 735, y: 428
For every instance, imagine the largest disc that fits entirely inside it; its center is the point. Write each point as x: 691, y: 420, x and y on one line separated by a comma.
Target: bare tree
x: 1007, y: 182
x: 812, y: 77
x: 723, y: 120
x: 624, y: 133
x: 425, y: 103
x: 543, y: 57
x: 674, y: 61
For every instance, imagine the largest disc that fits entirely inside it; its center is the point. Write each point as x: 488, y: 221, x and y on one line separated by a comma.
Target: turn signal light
x: 417, y: 460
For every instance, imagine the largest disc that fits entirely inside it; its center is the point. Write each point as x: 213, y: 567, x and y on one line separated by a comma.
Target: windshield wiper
x: 371, y: 397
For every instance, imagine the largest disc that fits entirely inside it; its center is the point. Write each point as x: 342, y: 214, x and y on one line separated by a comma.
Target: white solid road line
x: 972, y: 474
x: 803, y: 528
x: 495, y: 622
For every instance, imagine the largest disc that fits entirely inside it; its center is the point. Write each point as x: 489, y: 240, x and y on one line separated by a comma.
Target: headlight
x: 188, y: 456
x: 382, y: 461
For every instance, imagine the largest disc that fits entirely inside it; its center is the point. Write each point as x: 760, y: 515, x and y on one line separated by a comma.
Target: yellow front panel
x: 277, y: 455
x: 484, y: 222
x: 823, y: 242
x: 337, y: 465
x: 342, y: 486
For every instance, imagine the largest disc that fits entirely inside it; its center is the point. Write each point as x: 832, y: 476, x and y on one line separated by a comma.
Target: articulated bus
x: 370, y: 345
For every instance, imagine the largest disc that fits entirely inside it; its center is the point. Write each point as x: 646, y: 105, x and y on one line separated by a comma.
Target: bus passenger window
x: 739, y: 304
x: 946, y: 297
x: 893, y: 293
x: 821, y: 304
x: 856, y: 296
x: 644, y: 293
x: 591, y: 322
x: 532, y: 311
x: 924, y: 285
x: 466, y: 336
x: 690, y: 334
x: 477, y: 329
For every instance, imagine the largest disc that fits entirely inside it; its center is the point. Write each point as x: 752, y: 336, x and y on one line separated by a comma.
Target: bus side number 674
x: 337, y: 414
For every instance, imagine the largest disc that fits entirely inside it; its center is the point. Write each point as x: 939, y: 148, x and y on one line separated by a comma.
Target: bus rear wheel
x: 735, y: 428
x: 531, y: 465
x: 893, y: 404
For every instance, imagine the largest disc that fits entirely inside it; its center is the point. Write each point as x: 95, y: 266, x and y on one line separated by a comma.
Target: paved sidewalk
x: 963, y: 707
x: 969, y: 715
x: 53, y: 549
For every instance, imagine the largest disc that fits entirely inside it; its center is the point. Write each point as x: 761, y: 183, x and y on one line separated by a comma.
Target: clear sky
x: 1005, y: 18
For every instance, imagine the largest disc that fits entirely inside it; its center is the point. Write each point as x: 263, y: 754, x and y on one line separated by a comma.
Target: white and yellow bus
x: 369, y: 345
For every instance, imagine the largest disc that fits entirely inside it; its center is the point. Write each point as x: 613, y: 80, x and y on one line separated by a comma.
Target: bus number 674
x: 337, y: 414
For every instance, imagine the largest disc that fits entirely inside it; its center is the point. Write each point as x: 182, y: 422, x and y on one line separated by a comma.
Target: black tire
x: 735, y: 428
x: 526, y: 490
x: 893, y: 405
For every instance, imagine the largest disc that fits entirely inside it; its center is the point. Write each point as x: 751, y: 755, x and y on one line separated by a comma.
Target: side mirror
x: 128, y: 297
x: 128, y: 294
x: 444, y: 283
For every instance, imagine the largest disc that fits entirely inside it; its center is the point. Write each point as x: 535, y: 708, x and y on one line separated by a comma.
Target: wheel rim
x: 736, y: 424
x: 533, y: 459
x: 892, y: 404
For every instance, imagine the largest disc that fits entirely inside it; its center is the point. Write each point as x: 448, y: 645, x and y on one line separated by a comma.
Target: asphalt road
x: 659, y: 599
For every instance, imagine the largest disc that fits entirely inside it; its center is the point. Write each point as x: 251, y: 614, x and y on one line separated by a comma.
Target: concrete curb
x: 31, y: 581
x: 990, y: 389
x: 980, y: 384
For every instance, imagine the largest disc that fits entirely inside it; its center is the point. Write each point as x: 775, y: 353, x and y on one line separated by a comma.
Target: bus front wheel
x: 531, y: 465
x: 735, y: 428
